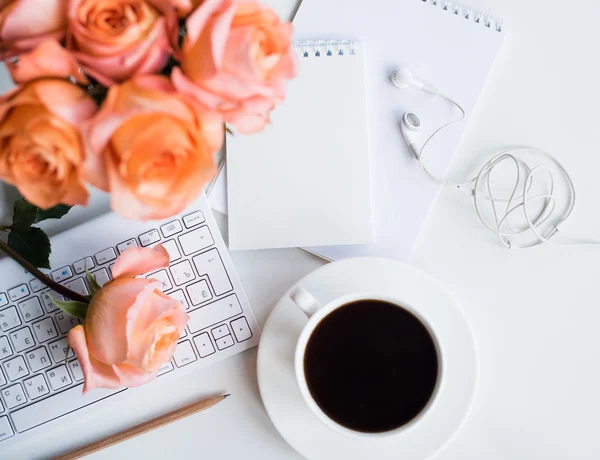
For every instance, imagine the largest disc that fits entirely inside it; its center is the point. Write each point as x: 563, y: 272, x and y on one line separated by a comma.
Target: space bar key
x: 56, y: 406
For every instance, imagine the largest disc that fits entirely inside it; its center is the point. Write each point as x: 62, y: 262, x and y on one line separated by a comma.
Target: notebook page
x: 304, y: 180
x: 451, y: 52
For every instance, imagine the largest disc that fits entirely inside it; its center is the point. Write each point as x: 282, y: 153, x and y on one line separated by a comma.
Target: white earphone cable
x: 503, y: 228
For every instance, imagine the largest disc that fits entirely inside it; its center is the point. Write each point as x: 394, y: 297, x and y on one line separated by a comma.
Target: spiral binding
x: 318, y: 48
x: 459, y: 9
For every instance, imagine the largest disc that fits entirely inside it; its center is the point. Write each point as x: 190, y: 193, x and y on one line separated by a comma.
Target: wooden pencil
x: 165, y: 419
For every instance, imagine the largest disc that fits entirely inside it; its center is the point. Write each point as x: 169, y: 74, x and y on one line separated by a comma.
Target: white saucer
x: 446, y: 414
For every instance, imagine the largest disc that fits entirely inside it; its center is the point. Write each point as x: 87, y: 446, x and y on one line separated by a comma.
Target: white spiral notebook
x: 304, y: 180
x: 445, y: 43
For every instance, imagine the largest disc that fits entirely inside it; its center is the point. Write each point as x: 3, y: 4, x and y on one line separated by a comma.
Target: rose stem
x: 59, y: 288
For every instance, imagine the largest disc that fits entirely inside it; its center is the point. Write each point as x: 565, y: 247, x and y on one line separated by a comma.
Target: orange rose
x: 42, y: 152
x: 115, y: 39
x: 25, y: 23
x: 151, y: 148
x: 131, y: 328
x: 236, y: 58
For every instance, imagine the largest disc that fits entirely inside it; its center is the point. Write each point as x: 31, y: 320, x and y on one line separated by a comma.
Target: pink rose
x: 235, y: 59
x: 151, y: 147
x: 115, y: 39
x: 25, y: 23
x: 131, y: 328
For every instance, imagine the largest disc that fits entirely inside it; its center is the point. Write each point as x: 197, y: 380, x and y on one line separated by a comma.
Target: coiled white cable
x: 520, y: 196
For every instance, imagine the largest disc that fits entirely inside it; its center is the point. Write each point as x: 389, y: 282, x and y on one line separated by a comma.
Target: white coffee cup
x: 316, y: 312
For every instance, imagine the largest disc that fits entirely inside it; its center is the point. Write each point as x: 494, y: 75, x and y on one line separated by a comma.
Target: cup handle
x: 304, y: 299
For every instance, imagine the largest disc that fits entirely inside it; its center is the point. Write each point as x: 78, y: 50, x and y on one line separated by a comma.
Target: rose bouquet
x: 132, y: 97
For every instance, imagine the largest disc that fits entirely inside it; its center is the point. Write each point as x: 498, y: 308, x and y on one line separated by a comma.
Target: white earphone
x: 541, y: 225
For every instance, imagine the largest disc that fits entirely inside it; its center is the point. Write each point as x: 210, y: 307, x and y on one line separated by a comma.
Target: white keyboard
x: 37, y: 388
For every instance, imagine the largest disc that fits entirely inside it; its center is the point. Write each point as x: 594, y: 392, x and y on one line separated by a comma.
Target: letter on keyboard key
x: 149, y: 237
x: 199, y: 292
x: 62, y: 274
x: 182, y: 272
x: 196, y: 240
x: 178, y: 295
x: 124, y: 246
x: 214, y: 313
x: 36, y: 387
x: 16, y: 368
x: 59, y: 377
x: 76, y: 370
x: 210, y: 263
x: 65, y: 322
x: 5, y: 349
x: 5, y: 429
x: 105, y: 255
x: 56, y: 406
x: 36, y: 285
x: 241, y: 329
x: 14, y: 396
x: 81, y: 265
x: 22, y: 339
x: 171, y: 228
x: 38, y: 359
x: 47, y: 300
x: 44, y: 330
x: 162, y: 277
x: 59, y: 348
x: 101, y: 276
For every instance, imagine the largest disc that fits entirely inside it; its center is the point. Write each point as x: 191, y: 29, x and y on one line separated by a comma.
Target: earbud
x: 403, y: 78
x: 411, y: 124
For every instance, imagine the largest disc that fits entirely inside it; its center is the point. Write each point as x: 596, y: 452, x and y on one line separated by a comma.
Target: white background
x: 535, y: 314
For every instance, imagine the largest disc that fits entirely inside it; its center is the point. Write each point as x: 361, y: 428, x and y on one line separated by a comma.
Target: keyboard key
x: 204, y: 345
x: 62, y: 274
x: 171, y: 228
x: 36, y: 285
x: 18, y: 292
x: 199, y: 292
x: 166, y: 367
x: 78, y: 285
x: 15, y: 368
x: 44, y: 330
x: 58, y: 350
x: 162, y: 277
x: 76, y: 370
x: 36, y: 387
x: 9, y: 319
x: 3, y: 299
x: 14, y: 396
x: 125, y: 245
x: 38, y: 359
x: 241, y: 329
x: 106, y: 255
x: 210, y: 263
x: 31, y: 309
x: 214, y: 313
x: 1, y: 406
x: 196, y: 240
x: 47, y: 301
x: 56, y: 406
x: 5, y: 349
x: 172, y: 249
x: 149, y: 238
x: 82, y: 264
x: 182, y: 272
x: 66, y: 322
x: 101, y: 276
x: 22, y: 339
x: 179, y: 295
x: 184, y: 354
x: 193, y: 219
x: 224, y: 342
x: 220, y: 331
x: 59, y: 377
x: 5, y: 429
x: 2, y: 381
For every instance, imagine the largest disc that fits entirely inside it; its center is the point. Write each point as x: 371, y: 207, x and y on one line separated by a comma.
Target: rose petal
x: 136, y: 261
x: 96, y: 374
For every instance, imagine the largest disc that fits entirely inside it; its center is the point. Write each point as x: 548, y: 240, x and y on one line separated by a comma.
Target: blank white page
x: 304, y: 180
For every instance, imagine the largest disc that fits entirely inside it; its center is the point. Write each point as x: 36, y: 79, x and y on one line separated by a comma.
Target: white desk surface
x: 535, y: 314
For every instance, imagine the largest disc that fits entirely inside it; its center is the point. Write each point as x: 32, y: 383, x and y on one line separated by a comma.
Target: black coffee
x: 371, y: 366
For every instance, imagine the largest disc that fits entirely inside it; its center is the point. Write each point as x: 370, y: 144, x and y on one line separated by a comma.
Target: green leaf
x: 34, y: 245
x: 94, y: 286
x: 72, y: 307
x: 55, y: 212
x: 23, y: 215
